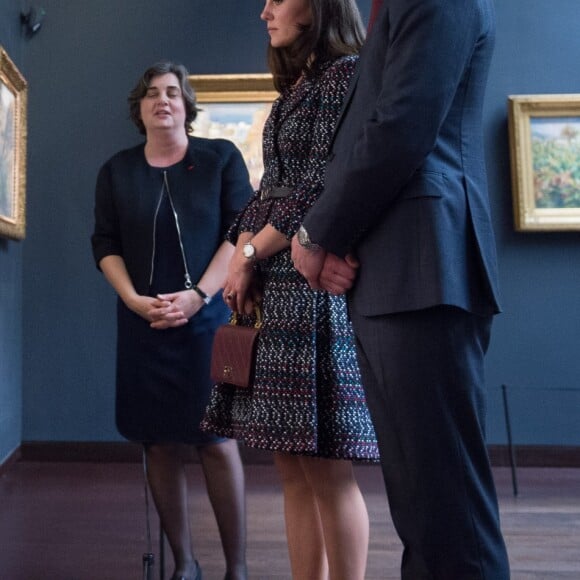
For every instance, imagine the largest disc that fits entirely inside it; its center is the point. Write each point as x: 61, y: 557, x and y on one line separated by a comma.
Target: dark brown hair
x: 140, y: 90
x: 336, y: 30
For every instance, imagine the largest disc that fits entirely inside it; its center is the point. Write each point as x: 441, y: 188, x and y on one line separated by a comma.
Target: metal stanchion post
x: 161, y: 552
x: 148, y: 557
x: 509, y: 437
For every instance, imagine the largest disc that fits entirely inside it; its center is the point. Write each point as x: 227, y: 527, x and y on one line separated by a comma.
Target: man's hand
x: 308, y: 262
x: 338, y: 275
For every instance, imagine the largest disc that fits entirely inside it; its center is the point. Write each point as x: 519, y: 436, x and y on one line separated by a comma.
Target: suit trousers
x: 423, y: 373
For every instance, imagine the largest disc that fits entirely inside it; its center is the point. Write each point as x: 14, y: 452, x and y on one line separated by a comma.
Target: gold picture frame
x: 235, y: 107
x: 544, y: 134
x: 13, y: 110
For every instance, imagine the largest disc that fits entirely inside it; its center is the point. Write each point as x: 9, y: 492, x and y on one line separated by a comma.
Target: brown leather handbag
x: 233, y: 356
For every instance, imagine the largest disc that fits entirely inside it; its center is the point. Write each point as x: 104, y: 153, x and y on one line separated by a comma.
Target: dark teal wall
x: 80, y: 68
x: 10, y: 281
x: 536, y: 340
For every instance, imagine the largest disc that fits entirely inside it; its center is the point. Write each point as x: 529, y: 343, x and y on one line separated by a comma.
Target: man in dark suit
x: 406, y: 193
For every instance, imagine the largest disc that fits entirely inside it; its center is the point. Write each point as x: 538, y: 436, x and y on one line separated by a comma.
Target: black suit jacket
x: 406, y: 185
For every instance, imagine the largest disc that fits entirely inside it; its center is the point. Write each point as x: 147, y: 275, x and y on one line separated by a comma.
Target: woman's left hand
x: 238, y: 294
x: 175, y: 309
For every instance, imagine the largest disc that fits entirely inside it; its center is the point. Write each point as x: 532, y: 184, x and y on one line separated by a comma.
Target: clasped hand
x: 168, y: 310
x: 323, y: 270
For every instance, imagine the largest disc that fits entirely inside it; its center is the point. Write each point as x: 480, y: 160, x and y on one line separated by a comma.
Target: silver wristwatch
x: 304, y: 239
x: 249, y: 251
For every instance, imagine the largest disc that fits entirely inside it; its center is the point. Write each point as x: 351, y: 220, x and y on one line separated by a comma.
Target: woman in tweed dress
x: 307, y: 404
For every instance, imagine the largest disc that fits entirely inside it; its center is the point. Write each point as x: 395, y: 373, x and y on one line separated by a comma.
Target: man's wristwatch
x: 304, y: 239
x: 201, y: 294
x: 249, y: 251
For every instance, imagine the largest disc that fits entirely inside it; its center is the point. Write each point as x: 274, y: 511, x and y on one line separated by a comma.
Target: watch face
x: 249, y: 251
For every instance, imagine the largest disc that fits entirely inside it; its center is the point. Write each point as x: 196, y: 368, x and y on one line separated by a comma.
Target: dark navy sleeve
x: 106, y: 239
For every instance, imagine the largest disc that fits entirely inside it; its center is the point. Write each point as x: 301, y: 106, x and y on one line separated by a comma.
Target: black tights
x: 224, y: 477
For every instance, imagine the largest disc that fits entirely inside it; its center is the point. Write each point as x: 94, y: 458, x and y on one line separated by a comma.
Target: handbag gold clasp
x: 257, y: 312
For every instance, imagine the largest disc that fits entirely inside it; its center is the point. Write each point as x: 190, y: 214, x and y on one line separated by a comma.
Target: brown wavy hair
x: 336, y: 30
x: 140, y: 90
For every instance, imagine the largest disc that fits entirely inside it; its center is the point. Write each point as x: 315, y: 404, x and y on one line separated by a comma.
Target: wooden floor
x: 85, y: 521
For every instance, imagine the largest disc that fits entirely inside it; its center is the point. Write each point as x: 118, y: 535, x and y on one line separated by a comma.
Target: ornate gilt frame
x: 530, y: 178
x: 233, y: 88
x: 15, y: 87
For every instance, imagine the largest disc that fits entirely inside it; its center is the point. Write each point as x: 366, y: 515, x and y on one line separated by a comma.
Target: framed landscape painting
x: 13, y: 103
x: 544, y: 132
x: 235, y: 107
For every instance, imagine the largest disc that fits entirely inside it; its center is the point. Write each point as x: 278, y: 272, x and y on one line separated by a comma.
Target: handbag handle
x: 258, y: 313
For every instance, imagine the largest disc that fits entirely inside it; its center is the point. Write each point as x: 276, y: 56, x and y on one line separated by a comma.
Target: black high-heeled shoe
x: 198, y: 574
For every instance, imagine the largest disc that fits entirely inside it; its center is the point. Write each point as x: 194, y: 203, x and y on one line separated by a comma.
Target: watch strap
x: 201, y: 293
x: 304, y: 239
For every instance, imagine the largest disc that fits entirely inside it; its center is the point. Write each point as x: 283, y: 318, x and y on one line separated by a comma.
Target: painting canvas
x: 13, y: 95
x: 556, y: 161
x: 545, y: 161
x: 7, y: 146
x: 241, y: 123
x: 235, y: 107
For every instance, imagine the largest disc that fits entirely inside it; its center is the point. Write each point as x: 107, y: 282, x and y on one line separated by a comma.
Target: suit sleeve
x: 426, y: 45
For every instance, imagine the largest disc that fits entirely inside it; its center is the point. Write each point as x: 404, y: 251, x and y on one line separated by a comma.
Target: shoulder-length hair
x: 336, y: 30
x: 141, y: 88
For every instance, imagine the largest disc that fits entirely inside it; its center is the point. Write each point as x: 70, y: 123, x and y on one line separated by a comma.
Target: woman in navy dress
x: 161, y: 212
x: 307, y: 404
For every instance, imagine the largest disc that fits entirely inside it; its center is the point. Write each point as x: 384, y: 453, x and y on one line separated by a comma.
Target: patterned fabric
x: 307, y: 396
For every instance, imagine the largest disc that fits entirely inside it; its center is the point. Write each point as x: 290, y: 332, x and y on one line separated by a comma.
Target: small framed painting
x: 544, y: 132
x: 13, y: 107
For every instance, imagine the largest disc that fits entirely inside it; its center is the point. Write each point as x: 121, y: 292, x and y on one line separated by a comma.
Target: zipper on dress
x: 188, y: 283
x: 155, y: 235
x: 165, y: 187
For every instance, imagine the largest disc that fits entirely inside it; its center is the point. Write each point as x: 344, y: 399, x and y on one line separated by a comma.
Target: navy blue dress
x: 163, y: 380
x: 163, y: 383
